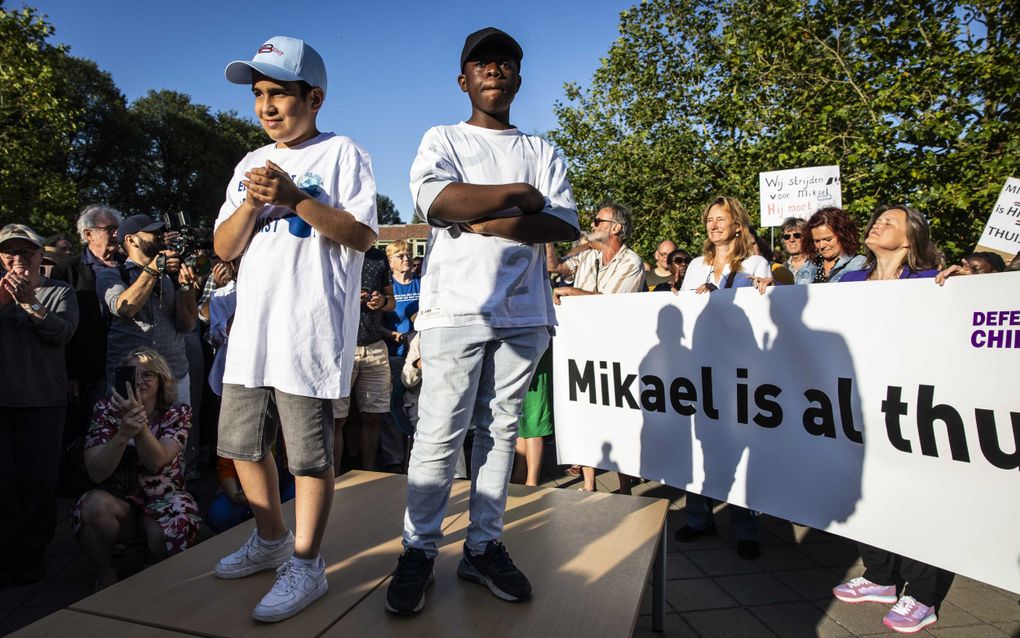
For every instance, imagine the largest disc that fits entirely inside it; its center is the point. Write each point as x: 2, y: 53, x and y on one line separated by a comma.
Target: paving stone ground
x: 710, y: 591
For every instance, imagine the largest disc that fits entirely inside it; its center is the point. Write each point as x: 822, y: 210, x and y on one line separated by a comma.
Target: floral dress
x: 161, y: 495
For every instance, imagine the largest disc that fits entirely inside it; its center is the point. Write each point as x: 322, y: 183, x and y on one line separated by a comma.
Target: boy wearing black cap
x: 493, y: 195
x: 301, y: 211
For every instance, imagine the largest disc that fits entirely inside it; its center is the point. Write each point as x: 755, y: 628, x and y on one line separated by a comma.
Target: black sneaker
x: 688, y: 534
x: 406, y: 592
x: 748, y: 550
x: 495, y: 570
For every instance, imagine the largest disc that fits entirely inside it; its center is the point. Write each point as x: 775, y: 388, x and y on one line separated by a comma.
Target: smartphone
x: 124, y: 376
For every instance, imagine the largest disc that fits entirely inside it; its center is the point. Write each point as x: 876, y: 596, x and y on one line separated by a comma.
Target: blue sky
x: 392, y: 65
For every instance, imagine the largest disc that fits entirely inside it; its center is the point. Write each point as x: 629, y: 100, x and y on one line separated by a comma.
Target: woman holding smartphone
x: 133, y: 450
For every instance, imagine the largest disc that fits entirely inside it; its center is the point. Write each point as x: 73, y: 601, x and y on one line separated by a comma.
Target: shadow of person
x: 606, y: 462
x: 666, y: 454
x: 806, y: 466
x: 722, y: 332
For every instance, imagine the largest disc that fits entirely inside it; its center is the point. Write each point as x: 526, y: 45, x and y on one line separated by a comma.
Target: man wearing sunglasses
x: 604, y: 266
x: 793, y: 229
x: 607, y: 265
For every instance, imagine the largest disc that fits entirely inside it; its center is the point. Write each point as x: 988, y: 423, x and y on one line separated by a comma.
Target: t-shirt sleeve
x: 431, y: 171
x: 176, y: 424
x: 109, y: 287
x: 572, y: 263
x: 695, y: 275
x: 759, y: 267
x: 559, y: 197
x: 236, y: 192
x: 355, y: 187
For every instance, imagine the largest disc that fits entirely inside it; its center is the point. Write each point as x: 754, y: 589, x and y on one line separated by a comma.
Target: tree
x: 103, y: 139
x: 36, y: 123
x: 916, y: 101
x: 68, y: 138
x: 387, y: 210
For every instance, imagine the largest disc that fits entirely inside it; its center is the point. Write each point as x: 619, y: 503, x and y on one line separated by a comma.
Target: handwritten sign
x: 1002, y: 232
x: 797, y: 192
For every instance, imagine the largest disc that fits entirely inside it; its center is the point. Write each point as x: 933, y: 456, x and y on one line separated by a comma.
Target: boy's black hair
x: 304, y: 88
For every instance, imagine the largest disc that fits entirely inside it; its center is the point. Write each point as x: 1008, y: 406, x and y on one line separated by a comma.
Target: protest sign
x: 1002, y: 232
x: 797, y: 192
x: 884, y: 411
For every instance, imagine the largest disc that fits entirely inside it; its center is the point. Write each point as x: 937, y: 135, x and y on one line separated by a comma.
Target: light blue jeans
x: 470, y: 375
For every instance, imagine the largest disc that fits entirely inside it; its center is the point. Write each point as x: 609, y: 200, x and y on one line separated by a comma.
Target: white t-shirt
x: 469, y: 279
x: 698, y: 273
x: 298, y: 293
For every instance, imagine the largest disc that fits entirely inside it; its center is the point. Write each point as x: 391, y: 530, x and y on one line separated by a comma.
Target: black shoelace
x: 412, y: 566
x: 497, y: 556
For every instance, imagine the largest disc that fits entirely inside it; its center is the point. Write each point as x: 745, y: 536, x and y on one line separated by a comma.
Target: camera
x: 192, y: 242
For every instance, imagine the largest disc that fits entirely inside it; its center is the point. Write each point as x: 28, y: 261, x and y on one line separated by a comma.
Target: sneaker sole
x: 467, y: 571
x: 319, y: 592
x: 241, y: 573
x: 912, y: 630
x: 871, y: 598
x: 419, y: 606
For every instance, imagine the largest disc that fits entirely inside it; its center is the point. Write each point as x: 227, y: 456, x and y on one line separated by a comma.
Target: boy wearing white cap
x: 301, y: 212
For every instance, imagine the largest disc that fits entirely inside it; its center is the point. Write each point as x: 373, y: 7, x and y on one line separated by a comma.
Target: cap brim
x: 240, y: 72
x: 499, y: 39
x: 22, y: 238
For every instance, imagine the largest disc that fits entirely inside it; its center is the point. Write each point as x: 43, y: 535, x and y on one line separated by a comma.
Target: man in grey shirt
x: 147, y: 309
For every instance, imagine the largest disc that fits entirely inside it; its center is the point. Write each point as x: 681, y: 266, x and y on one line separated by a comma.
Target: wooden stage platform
x: 588, y: 557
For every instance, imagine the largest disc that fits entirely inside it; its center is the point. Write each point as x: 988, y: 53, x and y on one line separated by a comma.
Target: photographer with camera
x: 152, y: 300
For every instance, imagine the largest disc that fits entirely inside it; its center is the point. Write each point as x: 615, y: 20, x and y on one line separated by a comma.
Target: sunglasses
x: 791, y: 235
x: 24, y: 253
x: 598, y: 221
x: 678, y: 261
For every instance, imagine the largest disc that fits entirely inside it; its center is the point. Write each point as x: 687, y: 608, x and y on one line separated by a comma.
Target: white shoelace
x: 905, y: 605
x: 287, y: 578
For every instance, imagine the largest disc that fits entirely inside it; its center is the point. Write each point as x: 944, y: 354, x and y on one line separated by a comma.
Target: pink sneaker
x: 908, y: 616
x: 862, y: 590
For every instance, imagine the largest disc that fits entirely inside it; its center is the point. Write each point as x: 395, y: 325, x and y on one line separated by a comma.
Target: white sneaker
x: 254, y: 557
x: 296, y: 587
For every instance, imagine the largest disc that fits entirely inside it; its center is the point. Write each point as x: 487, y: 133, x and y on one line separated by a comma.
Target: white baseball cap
x: 281, y: 58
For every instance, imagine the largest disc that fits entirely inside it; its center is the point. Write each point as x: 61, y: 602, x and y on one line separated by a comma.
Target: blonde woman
x: 728, y: 259
x: 133, y: 451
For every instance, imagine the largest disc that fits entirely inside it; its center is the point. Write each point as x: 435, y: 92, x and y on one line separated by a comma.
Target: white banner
x: 886, y: 412
x: 1002, y: 232
x: 797, y: 192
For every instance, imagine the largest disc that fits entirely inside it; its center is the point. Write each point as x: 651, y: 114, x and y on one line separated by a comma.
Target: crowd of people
x: 115, y: 357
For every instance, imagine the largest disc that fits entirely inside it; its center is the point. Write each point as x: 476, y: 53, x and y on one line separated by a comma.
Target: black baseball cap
x: 136, y: 224
x: 490, y: 35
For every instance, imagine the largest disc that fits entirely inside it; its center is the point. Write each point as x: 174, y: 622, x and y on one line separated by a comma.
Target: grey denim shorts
x: 248, y: 423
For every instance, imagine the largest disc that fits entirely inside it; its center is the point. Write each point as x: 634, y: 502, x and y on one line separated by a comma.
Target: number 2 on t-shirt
x: 517, y: 255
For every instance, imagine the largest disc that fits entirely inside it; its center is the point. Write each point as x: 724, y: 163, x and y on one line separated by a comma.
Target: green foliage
x: 185, y: 155
x: 35, y: 125
x: 68, y: 139
x: 916, y: 102
x: 387, y: 210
